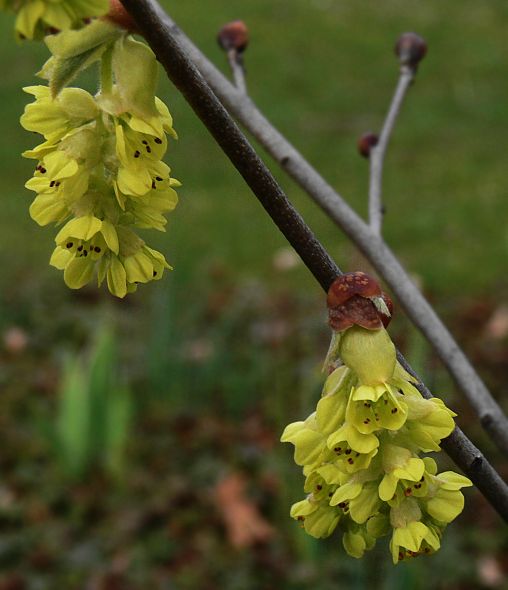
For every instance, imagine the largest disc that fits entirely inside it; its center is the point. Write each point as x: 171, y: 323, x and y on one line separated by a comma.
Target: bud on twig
x: 119, y: 16
x: 366, y: 142
x: 234, y: 35
x: 356, y: 298
x: 410, y: 49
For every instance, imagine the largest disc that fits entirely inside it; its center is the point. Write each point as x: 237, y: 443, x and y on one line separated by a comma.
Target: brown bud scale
x: 352, y: 283
x: 355, y: 311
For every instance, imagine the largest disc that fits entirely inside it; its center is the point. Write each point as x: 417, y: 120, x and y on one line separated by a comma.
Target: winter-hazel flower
x: 360, y: 449
x: 318, y: 518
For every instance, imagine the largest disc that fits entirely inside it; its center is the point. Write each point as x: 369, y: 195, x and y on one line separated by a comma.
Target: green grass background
x: 323, y: 71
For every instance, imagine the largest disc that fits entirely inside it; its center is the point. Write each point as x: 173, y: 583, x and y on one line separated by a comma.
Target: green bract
x: 359, y: 453
x: 100, y: 169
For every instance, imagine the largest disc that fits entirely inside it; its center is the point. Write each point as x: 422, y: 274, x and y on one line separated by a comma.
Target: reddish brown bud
x: 356, y: 298
x: 411, y: 49
x: 366, y: 142
x: 119, y: 16
x: 234, y: 35
x: 349, y: 284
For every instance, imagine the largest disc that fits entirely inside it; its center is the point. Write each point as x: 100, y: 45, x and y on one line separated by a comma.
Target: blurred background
x: 139, y: 438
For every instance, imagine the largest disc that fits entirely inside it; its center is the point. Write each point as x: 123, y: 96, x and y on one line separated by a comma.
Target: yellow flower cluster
x: 360, y: 453
x: 101, y: 168
x: 36, y: 18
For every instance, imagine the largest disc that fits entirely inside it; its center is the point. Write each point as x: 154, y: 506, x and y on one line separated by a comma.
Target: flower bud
x: 234, y: 35
x: 366, y: 142
x: 410, y: 49
x: 355, y: 298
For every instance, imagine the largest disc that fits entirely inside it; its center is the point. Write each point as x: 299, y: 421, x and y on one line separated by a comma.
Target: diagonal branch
x: 160, y: 35
x: 470, y: 459
x: 377, y: 153
x: 372, y: 246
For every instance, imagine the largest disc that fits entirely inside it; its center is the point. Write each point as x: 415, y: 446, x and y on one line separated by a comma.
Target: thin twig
x: 470, y: 459
x: 150, y: 18
x: 235, y: 60
x: 377, y: 152
x: 372, y: 246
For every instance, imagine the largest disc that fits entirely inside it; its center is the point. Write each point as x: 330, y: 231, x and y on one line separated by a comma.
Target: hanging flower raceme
x: 360, y: 450
x: 100, y: 168
x: 36, y: 18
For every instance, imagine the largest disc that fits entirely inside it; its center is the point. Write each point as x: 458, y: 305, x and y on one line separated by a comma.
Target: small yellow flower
x: 412, y: 540
x: 444, y: 502
x: 398, y: 464
x: 360, y: 495
x: 318, y: 518
x: 309, y: 442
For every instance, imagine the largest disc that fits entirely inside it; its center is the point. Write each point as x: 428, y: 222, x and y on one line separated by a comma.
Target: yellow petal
x: 78, y: 272
x: 110, y: 235
x: 28, y: 17
x: 139, y: 269
x: 348, y: 491
x: 116, y: 278
x: 60, y: 258
x: 446, y: 505
x: 303, y: 508
x: 81, y: 228
x: 387, y: 487
x: 134, y: 181
x: 46, y: 209
x: 410, y: 537
x: 354, y: 544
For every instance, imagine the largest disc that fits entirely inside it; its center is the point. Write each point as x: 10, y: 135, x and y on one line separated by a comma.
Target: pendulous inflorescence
x: 100, y: 172
x: 361, y: 449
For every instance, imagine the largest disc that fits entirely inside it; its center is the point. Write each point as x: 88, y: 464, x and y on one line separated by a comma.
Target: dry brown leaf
x: 244, y: 524
x: 497, y: 326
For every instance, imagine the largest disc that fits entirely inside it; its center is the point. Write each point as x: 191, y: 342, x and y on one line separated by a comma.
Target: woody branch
x: 165, y: 40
